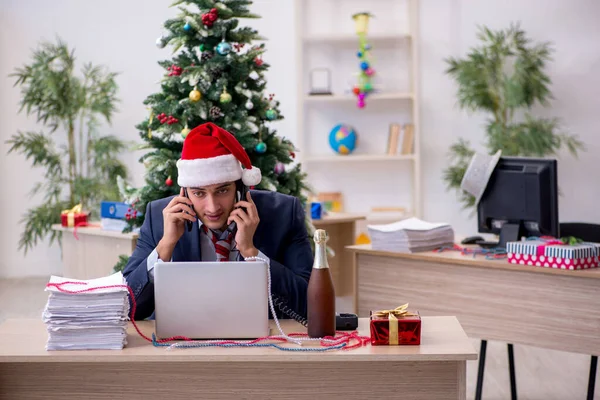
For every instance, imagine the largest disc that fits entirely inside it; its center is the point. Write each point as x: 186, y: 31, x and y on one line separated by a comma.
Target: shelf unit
x: 326, y: 39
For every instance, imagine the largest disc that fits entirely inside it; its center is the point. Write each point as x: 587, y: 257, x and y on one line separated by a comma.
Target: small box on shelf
x: 74, y: 217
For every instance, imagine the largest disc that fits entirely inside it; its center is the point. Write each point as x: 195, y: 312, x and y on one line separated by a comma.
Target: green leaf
x: 38, y: 224
x: 39, y: 148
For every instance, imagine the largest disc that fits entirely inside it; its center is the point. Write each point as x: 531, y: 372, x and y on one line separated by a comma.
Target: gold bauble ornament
x: 185, y: 132
x: 195, y: 95
x: 225, y: 97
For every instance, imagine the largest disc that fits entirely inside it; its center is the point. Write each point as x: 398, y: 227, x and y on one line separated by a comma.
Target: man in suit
x: 270, y: 225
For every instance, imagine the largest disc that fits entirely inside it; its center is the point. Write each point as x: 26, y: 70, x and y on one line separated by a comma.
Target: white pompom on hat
x: 212, y: 155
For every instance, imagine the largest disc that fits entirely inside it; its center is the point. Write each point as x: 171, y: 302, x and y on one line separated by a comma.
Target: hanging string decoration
x: 364, y: 86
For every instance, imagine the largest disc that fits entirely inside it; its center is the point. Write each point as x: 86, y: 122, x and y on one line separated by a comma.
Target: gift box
x: 554, y: 254
x: 395, y: 327
x: 73, y: 217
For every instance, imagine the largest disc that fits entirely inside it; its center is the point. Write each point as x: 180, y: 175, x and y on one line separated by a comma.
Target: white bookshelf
x: 368, y: 177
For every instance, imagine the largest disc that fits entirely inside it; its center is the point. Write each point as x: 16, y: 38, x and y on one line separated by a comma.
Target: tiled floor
x: 541, y: 374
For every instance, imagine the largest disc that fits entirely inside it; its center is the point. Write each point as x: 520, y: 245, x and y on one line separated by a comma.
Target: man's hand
x: 246, y: 221
x: 175, y: 214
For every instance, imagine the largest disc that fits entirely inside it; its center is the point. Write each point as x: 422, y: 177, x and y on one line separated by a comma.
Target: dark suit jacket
x: 281, y: 235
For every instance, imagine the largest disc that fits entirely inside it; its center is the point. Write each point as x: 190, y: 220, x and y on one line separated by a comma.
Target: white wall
x: 122, y: 35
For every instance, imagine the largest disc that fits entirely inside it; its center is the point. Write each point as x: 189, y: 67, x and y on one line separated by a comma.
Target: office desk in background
x: 492, y: 299
x: 434, y: 370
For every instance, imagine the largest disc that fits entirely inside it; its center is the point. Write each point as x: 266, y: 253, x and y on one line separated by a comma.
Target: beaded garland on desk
x: 342, y: 340
x: 490, y: 254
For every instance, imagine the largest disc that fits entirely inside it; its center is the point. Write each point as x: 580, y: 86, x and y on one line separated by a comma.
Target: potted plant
x: 70, y: 108
x: 504, y: 78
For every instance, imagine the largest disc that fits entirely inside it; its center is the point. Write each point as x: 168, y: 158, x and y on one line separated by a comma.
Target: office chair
x: 581, y: 230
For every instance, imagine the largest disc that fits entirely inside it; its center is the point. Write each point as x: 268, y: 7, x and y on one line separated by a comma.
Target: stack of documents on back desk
x: 410, y: 235
x: 96, y: 319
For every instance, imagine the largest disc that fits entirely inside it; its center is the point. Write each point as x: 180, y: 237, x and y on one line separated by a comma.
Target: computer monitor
x: 521, y: 199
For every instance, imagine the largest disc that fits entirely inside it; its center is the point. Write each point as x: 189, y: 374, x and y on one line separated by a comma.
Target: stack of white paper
x: 96, y: 319
x: 410, y: 235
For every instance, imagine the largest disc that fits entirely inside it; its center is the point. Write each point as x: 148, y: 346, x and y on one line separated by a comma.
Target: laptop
x: 211, y: 300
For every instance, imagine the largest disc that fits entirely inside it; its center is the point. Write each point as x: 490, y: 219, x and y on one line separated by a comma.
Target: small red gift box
x: 395, y: 327
x: 73, y: 217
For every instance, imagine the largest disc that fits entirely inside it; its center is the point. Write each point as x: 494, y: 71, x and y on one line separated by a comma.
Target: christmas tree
x: 216, y: 75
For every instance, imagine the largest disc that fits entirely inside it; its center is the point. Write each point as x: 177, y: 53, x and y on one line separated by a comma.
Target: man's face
x: 213, y: 203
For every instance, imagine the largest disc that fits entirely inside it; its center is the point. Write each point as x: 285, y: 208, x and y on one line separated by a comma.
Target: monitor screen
x: 521, y: 197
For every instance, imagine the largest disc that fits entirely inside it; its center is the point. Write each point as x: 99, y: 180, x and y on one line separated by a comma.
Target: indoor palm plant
x: 81, y: 167
x: 504, y: 77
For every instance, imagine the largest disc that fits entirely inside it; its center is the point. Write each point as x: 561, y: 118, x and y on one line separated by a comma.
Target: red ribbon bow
x: 539, y: 251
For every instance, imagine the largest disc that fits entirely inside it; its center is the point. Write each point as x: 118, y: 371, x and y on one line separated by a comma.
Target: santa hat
x: 212, y: 155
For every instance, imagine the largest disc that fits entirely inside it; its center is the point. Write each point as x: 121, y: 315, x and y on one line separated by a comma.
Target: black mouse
x: 472, y: 240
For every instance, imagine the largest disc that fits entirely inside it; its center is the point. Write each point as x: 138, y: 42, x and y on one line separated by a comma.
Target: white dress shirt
x: 207, y: 252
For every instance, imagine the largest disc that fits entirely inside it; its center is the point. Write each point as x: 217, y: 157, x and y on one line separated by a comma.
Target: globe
x: 342, y: 139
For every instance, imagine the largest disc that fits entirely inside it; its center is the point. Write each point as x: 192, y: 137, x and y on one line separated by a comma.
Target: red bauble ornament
x: 258, y: 61
x: 169, y: 182
x: 292, y: 154
x: 356, y: 90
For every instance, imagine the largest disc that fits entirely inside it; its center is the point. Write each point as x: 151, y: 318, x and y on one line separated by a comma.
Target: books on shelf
x: 404, y: 135
x: 92, y: 320
x: 410, y: 235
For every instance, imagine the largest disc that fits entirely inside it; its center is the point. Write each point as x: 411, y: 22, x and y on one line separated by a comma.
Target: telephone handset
x: 241, y: 191
x: 188, y: 223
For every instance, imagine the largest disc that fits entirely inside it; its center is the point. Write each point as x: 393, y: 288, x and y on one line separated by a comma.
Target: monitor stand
x: 508, y: 233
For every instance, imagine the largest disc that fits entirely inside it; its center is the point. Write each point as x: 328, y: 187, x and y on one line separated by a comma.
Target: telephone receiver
x: 188, y: 223
x: 241, y: 191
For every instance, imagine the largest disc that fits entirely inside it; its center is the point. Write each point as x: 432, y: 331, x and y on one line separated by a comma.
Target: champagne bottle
x: 321, y: 293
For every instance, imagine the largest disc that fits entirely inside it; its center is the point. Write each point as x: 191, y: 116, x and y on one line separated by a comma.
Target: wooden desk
x: 341, y: 229
x: 434, y: 370
x: 492, y: 299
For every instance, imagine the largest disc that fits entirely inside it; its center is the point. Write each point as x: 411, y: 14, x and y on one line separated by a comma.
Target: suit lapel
x: 188, y: 247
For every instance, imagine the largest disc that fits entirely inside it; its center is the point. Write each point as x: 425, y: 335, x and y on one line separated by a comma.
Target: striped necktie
x: 222, y: 247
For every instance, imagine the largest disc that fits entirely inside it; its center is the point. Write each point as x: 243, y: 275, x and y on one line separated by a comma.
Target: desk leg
x: 511, y: 370
x: 592, y: 379
x: 481, y: 370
